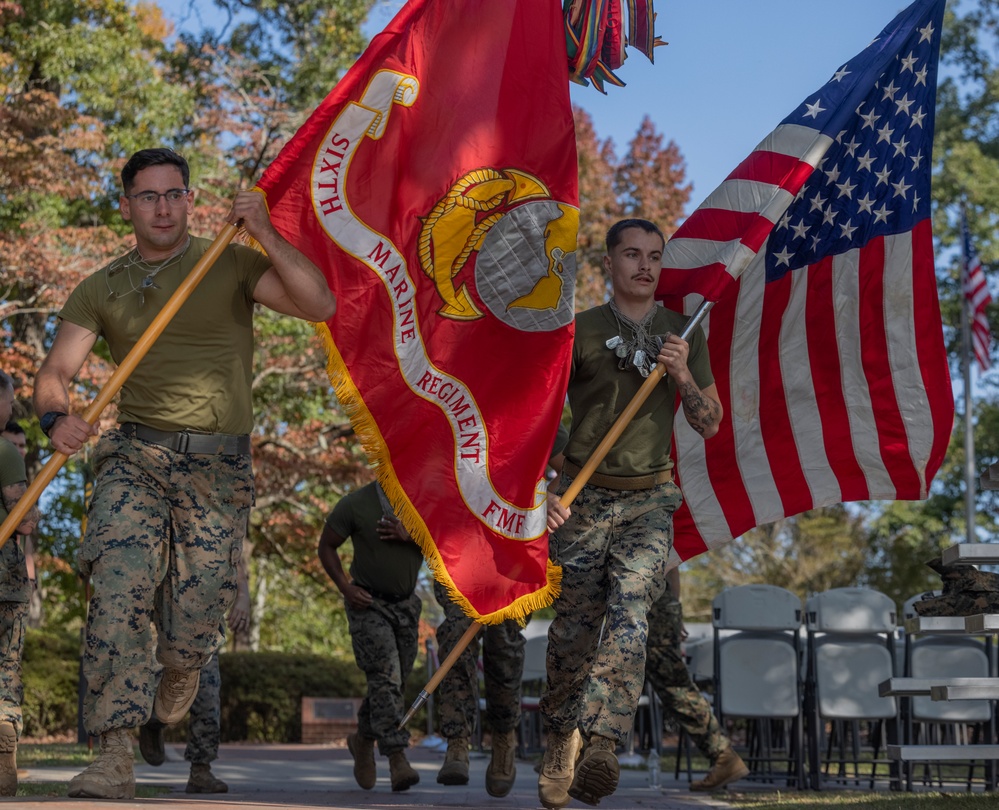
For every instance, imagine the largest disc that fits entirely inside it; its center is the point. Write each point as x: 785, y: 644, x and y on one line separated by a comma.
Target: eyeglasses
x: 147, y: 200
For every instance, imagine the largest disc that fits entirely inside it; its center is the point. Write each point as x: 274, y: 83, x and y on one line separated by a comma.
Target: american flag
x: 976, y: 290
x: 825, y: 336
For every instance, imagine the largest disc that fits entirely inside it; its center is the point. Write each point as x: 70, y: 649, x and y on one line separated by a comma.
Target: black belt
x: 183, y: 441
x: 386, y: 597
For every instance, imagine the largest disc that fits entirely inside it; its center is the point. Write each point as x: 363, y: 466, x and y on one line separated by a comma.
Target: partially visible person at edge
x: 204, y: 725
x: 458, y: 695
x: 614, y: 542
x: 503, y: 648
x: 383, y: 616
x: 15, y: 596
x: 174, y: 480
x: 14, y: 433
x: 666, y: 670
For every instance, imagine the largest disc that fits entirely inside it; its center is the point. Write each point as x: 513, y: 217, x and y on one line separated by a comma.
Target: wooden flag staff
x: 125, y: 368
x: 442, y: 670
x: 568, y: 496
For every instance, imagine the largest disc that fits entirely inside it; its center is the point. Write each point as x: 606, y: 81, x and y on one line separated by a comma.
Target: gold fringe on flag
x: 375, y: 448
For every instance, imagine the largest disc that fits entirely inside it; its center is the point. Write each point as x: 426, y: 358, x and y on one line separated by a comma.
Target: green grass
x: 61, y: 788
x: 855, y: 800
x: 64, y: 755
x: 767, y: 798
x: 53, y: 755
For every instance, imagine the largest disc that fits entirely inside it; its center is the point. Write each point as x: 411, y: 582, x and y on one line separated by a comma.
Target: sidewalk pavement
x: 306, y: 776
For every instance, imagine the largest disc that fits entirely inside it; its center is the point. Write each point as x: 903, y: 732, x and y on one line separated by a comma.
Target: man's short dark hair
x: 6, y: 381
x: 145, y: 158
x: 12, y: 427
x: 614, y: 234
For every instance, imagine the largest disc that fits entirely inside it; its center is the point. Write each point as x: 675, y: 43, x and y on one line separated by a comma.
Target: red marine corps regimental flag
x: 436, y: 188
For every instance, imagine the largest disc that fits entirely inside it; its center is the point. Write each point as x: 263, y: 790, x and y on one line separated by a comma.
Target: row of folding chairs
x: 813, y: 716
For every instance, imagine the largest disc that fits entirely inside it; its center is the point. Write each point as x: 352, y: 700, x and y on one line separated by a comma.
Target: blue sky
x: 732, y: 70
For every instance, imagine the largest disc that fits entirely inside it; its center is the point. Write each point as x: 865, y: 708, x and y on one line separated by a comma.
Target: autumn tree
x: 648, y: 182
x: 651, y: 179
x: 597, y: 209
x: 807, y: 554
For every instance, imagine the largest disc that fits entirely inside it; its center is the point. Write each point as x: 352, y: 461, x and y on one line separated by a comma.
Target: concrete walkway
x: 305, y: 776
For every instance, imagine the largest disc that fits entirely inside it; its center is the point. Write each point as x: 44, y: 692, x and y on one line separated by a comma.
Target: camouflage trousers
x: 385, y: 637
x: 666, y: 670
x: 613, y: 551
x: 164, y: 534
x: 502, y: 669
x: 13, y: 617
x: 204, y: 721
x: 204, y: 724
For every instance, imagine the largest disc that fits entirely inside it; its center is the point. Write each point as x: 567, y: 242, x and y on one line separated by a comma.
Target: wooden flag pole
x: 125, y: 368
x: 443, y: 670
x: 568, y: 496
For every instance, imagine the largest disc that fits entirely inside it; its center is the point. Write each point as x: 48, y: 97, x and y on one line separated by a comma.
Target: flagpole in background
x: 969, y: 428
x: 976, y: 340
x: 125, y: 368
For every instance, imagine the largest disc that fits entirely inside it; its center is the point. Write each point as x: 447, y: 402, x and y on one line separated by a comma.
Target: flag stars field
x: 891, y: 158
x: 825, y: 332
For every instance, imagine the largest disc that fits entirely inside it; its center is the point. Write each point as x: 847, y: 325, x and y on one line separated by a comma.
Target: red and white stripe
x: 976, y: 290
x: 721, y: 238
x: 830, y: 380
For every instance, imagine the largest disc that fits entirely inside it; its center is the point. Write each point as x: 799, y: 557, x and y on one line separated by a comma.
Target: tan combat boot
x: 362, y: 749
x: 727, y: 768
x: 557, y: 769
x: 202, y: 780
x: 177, y: 690
x: 598, y: 771
x: 110, y: 776
x: 401, y: 773
x: 8, y: 759
x: 502, y: 770
x: 454, y: 771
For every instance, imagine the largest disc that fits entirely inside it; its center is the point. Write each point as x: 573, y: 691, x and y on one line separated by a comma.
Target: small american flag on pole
x: 976, y: 290
x: 825, y: 337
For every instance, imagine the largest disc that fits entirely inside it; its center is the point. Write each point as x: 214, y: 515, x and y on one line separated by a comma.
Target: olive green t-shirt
x: 385, y: 567
x: 14, y: 584
x: 197, y: 374
x: 599, y: 391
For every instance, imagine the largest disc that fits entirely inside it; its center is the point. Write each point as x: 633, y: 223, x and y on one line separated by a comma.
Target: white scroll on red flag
x: 436, y: 188
x: 825, y: 337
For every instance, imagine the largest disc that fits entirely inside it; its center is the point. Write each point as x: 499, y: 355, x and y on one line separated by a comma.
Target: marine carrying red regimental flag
x: 436, y: 188
x: 825, y: 339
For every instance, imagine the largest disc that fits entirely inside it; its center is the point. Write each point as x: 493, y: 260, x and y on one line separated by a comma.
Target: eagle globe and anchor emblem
x: 525, y: 241
x: 524, y: 247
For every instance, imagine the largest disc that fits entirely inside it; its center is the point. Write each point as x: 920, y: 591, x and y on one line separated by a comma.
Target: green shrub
x: 50, y: 672
x: 261, y: 692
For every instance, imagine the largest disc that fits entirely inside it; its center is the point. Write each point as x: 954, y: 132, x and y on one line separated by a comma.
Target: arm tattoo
x: 11, y: 495
x: 701, y: 411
